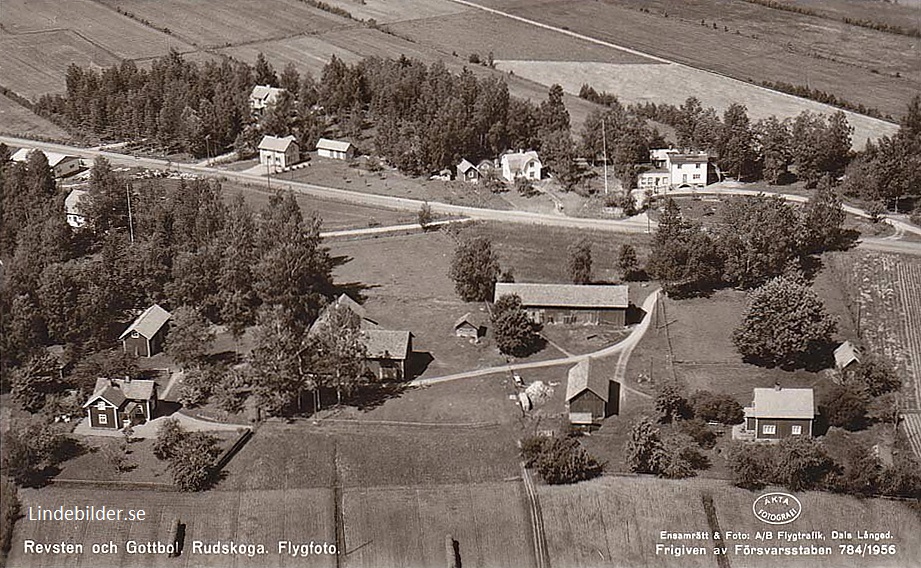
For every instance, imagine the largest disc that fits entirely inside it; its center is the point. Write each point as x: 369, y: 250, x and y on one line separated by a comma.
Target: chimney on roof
x: 777, y: 386
x: 127, y: 379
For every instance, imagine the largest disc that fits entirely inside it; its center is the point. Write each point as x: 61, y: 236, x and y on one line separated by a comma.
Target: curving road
x: 638, y: 224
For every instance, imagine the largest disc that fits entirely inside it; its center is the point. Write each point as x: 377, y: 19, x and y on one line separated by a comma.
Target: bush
x: 844, y: 407
x: 532, y: 448
x: 116, y: 453
x: 671, y: 405
x: 721, y: 408
x: 32, y: 450
x: 564, y: 460
x: 750, y: 465
x: 192, y: 463
x: 516, y: 334
x: 698, y: 430
x: 169, y: 435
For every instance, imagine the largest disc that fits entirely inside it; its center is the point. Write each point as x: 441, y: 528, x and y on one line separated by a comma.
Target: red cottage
x: 778, y: 413
x: 144, y: 337
x: 118, y: 402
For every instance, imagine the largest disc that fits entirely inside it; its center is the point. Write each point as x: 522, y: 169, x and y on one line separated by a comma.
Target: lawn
x: 619, y: 519
x: 264, y: 517
x: 19, y: 120
x: 407, y: 527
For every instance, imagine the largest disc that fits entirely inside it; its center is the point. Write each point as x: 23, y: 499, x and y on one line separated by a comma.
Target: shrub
x: 698, y: 430
x: 532, y: 448
x: 564, y: 460
x: 192, y: 463
x: 169, y: 435
x: 844, y: 407
x: 721, y: 408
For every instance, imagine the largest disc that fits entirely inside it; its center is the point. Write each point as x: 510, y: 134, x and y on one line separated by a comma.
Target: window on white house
x: 102, y: 419
x: 697, y: 166
x: 769, y: 429
x: 696, y: 176
x: 796, y: 430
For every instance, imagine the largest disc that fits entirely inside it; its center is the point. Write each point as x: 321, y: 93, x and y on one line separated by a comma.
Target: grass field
x: 308, y: 53
x: 237, y: 21
x: 616, y: 521
x: 406, y: 527
x: 247, y: 517
x: 18, y: 119
x: 778, y: 54
x: 105, y: 28
x: 904, y: 13
x: 36, y: 64
x: 673, y: 84
x: 480, y: 32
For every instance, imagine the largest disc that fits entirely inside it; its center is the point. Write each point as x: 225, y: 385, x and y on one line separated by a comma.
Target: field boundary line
x: 651, y: 56
x: 355, y: 421
x: 63, y: 482
x: 537, y: 520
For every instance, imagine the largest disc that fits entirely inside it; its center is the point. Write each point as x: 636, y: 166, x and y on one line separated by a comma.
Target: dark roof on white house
x: 149, y: 322
x: 566, y: 295
x: 581, y: 379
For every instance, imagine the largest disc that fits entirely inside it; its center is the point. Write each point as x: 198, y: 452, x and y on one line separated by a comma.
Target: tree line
x: 184, y: 246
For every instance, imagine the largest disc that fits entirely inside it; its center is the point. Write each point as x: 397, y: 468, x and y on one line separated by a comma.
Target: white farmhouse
x: 336, y: 149
x: 520, y: 164
x: 674, y: 169
x: 263, y: 96
x: 278, y: 153
x: 72, y: 207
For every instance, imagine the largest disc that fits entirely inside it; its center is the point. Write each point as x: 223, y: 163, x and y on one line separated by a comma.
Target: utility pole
x: 604, y: 146
x: 130, y: 220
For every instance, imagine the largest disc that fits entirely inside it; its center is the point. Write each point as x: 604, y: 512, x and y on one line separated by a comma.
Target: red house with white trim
x: 144, y: 337
x: 118, y: 402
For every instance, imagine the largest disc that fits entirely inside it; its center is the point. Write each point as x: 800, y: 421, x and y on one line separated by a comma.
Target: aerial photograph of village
x: 460, y: 283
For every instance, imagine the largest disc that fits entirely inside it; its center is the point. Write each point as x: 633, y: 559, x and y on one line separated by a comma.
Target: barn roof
x: 777, y: 402
x: 277, y: 144
x: 344, y: 300
x: 845, y: 354
x: 73, y: 200
x: 581, y: 379
x: 464, y: 166
x: 53, y: 158
x: 386, y: 344
x: 117, y: 391
x: 149, y: 322
x: 565, y: 295
x: 334, y: 145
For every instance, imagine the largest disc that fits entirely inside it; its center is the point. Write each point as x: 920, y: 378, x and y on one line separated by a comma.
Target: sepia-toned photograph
x: 460, y: 283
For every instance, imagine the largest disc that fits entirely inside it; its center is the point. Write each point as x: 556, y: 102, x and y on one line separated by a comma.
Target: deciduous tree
x: 580, y: 262
x: 474, y: 269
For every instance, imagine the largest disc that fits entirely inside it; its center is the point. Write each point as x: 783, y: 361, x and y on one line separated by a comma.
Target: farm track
x: 537, y: 520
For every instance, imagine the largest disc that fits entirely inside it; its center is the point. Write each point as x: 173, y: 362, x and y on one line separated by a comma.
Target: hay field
x: 245, y: 517
x: 675, y: 83
x: 231, y: 22
x: 386, y: 11
x: 774, y: 55
x: 481, y: 32
x: 18, y: 119
x: 904, y: 13
x: 406, y: 527
x: 35, y: 64
x: 616, y: 521
x: 108, y: 30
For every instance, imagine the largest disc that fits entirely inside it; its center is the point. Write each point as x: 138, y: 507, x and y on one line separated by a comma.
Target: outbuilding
x: 465, y: 326
x: 468, y: 172
x: 336, y: 149
x: 570, y: 303
x: 387, y: 352
x: 846, y: 354
x: 62, y: 165
x: 590, y: 397
x: 74, y: 206
x: 144, y: 337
